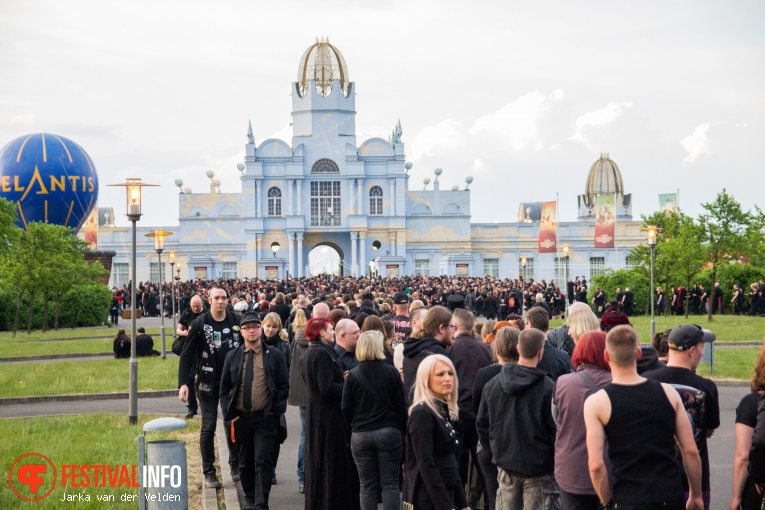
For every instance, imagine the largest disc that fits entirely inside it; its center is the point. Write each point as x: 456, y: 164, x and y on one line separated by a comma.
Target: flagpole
x: 557, y: 222
x: 616, y: 218
x: 678, y: 199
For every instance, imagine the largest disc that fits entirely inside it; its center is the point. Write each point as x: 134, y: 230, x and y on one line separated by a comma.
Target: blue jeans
x: 301, y: 448
x: 377, y: 454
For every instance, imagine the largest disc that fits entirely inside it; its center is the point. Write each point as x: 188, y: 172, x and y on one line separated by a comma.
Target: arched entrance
x: 325, y: 258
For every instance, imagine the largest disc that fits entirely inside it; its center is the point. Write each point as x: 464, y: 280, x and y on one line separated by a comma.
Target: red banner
x: 548, y: 242
x: 605, y: 221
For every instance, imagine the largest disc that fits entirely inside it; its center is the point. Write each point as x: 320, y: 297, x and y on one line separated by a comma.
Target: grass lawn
x: 96, y: 376
x: 732, y: 363
x: 69, y: 341
x: 110, y: 440
x: 728, y: 328
x: 21, y: 335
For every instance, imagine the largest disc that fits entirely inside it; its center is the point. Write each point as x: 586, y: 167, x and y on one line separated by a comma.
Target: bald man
x: 347, y: 334
x: 195, y: 309
x: 320, y: 311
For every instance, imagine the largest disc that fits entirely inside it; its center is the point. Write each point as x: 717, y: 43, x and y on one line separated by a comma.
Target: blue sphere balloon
x: 50, y: 178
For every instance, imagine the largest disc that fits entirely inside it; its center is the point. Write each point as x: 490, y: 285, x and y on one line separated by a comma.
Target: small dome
x: 323, y: 63
x: 604, y: 179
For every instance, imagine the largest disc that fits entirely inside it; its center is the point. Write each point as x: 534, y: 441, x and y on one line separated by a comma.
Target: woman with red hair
x: 571, y: 470
x: 327, y: 463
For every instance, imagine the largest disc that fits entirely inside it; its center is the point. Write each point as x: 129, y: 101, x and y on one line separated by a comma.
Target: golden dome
x: 604, y: 179
x: 323, y: 63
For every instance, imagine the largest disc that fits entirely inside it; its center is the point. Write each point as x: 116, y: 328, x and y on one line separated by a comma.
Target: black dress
x: 327, y: 459
x: 432, y: 479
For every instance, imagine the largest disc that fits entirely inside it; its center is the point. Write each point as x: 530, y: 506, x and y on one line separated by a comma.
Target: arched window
x: 376, y: 201
x: 325, y: 166
x: 274, y: 201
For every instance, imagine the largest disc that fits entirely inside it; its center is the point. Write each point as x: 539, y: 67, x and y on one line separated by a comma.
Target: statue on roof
x: 250, y: 138
x: 397, y: 132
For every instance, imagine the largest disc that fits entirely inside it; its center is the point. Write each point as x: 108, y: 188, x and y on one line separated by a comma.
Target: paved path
x: 285, y: 494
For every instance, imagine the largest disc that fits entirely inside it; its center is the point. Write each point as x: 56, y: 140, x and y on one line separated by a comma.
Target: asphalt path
x: 285, y: 494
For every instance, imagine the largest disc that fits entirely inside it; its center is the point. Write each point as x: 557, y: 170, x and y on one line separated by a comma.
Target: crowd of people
x: 404, y: 397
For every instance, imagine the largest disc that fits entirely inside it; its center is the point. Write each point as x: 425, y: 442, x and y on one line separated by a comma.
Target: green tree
x: 9, y: 232
x: 725, y: 232
x: 685, y: 253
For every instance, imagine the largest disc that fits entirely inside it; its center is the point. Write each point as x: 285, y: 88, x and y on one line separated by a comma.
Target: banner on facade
x: 391, y: 270
x: 272, y: 272
x: 463, y: 269
x: 200, y: 273
x: 668, y: 203
x: 89, y: 230
x: 548, y: 242
x: 605, y: 221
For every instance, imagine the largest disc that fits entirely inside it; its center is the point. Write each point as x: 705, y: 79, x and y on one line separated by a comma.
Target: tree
x: 9, y: 232
x: 725, y: 230
x: 685, y: 253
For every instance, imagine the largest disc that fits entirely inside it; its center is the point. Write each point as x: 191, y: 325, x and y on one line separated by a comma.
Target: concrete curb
x: 231, y: 489
x: 730, y: 382
x: 85, y: 396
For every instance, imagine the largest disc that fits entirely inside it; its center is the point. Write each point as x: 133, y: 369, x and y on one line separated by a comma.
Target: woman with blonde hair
x: 745, y: 495
x: 431, y: 472
x: 274, y: 336
x: 374, y: 408
x: 298, y: 389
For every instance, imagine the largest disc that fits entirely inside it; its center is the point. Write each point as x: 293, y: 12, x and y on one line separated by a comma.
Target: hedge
x: 84, y: 305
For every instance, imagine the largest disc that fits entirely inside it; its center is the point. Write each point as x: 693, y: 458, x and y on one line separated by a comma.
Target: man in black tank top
x: 641, y: 419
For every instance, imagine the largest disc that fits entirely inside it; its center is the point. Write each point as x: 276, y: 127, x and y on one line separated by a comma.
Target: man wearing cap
x: 686, y: 346
x: 402, y: 328
x: 253, y: 396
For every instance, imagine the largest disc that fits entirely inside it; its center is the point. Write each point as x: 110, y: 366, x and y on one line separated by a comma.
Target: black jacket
x: 757, y: 451
x: 277, y: 379
x: 416, y: 350
x: 560, y: 339
x: 555, y: 362
x: 362, y: 410
x: 431, y: 470
x: 469, y: 355
x: 515, y: 421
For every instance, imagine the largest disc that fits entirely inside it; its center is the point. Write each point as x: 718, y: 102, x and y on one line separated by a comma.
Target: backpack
x: 178, y: 345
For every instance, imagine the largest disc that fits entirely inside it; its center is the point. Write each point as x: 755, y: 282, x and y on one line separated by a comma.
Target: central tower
x: 323, y: 103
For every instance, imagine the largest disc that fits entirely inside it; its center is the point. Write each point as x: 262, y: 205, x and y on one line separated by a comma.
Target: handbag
x: 177, y: 347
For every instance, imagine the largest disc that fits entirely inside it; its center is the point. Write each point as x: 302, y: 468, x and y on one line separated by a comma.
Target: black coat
x: 416, y: 350
x: 431, y: 472
x: 327, y: 461
x: 469, y: 355
x: 555, y: 362
x: 277, y: 379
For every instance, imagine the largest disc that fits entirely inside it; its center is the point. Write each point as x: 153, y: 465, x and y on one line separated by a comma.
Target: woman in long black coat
x: 328, y: 465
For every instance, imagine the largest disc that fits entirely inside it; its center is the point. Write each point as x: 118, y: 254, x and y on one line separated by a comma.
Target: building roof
x: 323, y: 63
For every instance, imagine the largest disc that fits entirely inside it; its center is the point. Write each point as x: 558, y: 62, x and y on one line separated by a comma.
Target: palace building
x: 352, y: 201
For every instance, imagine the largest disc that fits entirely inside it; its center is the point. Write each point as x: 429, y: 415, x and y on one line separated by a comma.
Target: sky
x: 522, y: 96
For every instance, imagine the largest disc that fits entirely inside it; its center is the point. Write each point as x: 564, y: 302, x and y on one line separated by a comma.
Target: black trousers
x: 468, y: 450
x: 208, y: 407
x: 255, y: 435
x: 569, y: 501
x: 490, y: 473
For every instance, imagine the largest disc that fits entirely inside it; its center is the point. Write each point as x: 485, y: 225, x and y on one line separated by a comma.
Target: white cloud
x: 598, y: 118
x: 284, y: 134
x: 518, y: 123
x: 446, y: 134
x: 696, y: 144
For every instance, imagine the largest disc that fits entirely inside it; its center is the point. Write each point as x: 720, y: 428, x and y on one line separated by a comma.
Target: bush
x: 84, y: 305
x: 728, y: 274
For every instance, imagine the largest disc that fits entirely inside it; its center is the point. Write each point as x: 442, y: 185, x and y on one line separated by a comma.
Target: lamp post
x: 172, y: 286
x: 159, y: 247
x: 566, y: 250
x: 652, y: 244
x: 133, y: 205
x: 523, y: 289
x: 275, y: 247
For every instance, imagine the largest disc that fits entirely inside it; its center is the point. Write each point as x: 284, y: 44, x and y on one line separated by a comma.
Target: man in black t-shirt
x: 686, y: 346
x: 401, y: 324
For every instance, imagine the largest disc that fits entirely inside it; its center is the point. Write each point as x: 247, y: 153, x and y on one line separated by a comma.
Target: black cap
x: 686, y: 336
x: 249, y: 317
x: 401, y: 298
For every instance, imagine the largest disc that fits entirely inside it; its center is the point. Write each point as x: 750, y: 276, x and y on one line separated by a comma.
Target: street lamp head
x: 523, y: 261
x: 133, y: 197
x: 652, y: 230
x: 566, y: 249
x: 275, y: 247
x: 172, y: 257
x: 159, y: 239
